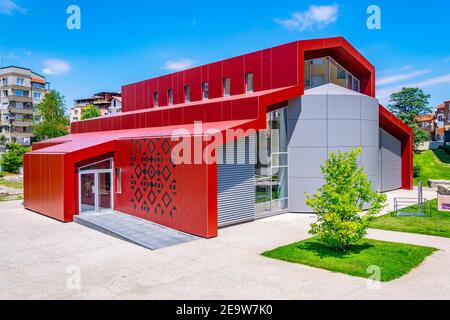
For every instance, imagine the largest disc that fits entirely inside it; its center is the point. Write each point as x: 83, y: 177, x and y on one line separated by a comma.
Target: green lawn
x: 11, y: 198
x: 394, y: 259
x: 16, y: 185
x: 436, y: 225
x: 435, y: 165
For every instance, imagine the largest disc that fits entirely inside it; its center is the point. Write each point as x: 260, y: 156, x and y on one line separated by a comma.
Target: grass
x: 434, y: 164
x: 393, y: 259
x: 436, y: 225
x: 11, y: 184
x: 11, y: 198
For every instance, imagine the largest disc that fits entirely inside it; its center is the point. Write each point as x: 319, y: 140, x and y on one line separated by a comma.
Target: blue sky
x: 126, y: 41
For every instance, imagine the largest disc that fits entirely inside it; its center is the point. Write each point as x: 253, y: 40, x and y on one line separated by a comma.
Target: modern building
x: 102, y: 101
x: 21, y: 91
x: 224, y: 143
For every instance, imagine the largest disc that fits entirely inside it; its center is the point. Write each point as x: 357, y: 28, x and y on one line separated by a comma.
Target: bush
x: 417, y: 171
x: 446, y: 148
x: 339, y: 203
x: 12, y: 160
x: 2, y: 175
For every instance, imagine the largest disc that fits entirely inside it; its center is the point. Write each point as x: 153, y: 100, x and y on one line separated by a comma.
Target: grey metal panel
x: 349, y: 120
x: 391, y: 165
x: 236, y: 181
x: 236, y: 193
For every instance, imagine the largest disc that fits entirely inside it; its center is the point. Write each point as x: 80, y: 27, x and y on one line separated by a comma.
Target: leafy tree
x: 52, y: 121
x: 407, y: 104
x: 12, y: 160
x: 89, y: 112
x: 340, y: 201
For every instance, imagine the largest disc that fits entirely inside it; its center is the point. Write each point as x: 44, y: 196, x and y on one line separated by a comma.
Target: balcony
x: 326, y: 70
x: 21, y: 110
x: 20, y: 98
x: 21, y: 134
x: 22, y: 123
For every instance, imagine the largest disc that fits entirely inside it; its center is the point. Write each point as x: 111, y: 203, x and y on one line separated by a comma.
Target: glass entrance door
x: 88, y: 192
x: 95, y: 187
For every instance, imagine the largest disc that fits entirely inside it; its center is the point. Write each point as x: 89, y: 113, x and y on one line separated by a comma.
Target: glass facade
x: 272, y: 165
x: 325, y: 70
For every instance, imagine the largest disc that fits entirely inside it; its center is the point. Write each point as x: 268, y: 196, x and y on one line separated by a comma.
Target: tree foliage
x: 12, y: 160
x: 52, y: 121
x: 407, y: 104
x: 89, y: 112
x: 340, y: 201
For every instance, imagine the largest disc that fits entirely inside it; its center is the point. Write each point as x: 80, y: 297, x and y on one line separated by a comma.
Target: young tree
x: 52, y: 119
x: 12, y: 160
x: 340, y: 201
x: 407, y: 104
x: 89, y: 112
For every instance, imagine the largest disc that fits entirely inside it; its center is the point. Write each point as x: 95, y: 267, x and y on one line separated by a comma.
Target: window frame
x: 155, y: 99
x: 187, y: 93
x: 170, y: 97
x: 248, y: 76
x: 205, y: 90
x: 224, y: 82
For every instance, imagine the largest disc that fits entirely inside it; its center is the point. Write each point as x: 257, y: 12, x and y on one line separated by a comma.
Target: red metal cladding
x: 156, y: 189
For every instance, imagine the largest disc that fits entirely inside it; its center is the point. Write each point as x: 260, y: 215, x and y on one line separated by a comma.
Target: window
x: 170, y: 96
x: 20, y: 81
x: 20, y: 93
x: 5, y: 93
x: 440, y: 118
x: 226, y: 87
x: 155, y: 99
x: 5, y: 81
x: 37, y: 95
x: 318, y: 61
x: 205, y: 89
x: 118, y: 180
x: 249, y: 82
x: 187, y: 94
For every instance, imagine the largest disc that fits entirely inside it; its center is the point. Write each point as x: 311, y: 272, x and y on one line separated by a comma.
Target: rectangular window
x: 155, y: 99
x: 249, y: 82
x: 5, y: 81
x: 20, y: 93
x: 20, y: 81
x: 5, y: 93
x: 226, y: 87
x: 37, y: 95
x: 118, y: 180
x: 205, y: 90
x: 170, y: 96
x: 187, y: 94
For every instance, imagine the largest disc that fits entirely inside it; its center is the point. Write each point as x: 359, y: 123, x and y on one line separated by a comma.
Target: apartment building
x: 21, y: 91
x: 102, y: 101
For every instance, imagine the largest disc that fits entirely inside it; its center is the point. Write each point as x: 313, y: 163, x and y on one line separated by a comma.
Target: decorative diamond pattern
x: 153, y: 178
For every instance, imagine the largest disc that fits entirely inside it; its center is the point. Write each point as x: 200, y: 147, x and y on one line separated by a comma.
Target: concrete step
x: 132, y: 229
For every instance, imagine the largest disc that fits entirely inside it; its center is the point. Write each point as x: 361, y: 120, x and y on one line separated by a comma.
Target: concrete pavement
x: 42, y: 258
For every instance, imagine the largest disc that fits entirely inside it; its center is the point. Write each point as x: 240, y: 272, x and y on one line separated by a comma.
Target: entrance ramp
x: 132, y: 229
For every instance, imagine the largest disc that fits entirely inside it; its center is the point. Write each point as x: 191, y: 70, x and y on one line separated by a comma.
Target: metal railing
x: 424, y: 205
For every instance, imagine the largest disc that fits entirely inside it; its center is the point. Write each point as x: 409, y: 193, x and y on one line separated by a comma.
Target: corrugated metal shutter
x: 236, y: 182
x: 391, y: 162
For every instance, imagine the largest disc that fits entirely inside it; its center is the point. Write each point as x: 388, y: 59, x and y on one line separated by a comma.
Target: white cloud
x: 383, y: 94
x: 12, y: 56
x: 56, y: 67
x: 316, y: 17
x: 400, y: 77
x: 8, y: 7
x: 177, y: 65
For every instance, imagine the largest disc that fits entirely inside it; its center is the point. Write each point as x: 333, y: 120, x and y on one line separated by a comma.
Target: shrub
x: 2, y: 175
x: 340, y: 201
x: 446, y: 148
x: 12, y: 160
x: 417, y: 171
